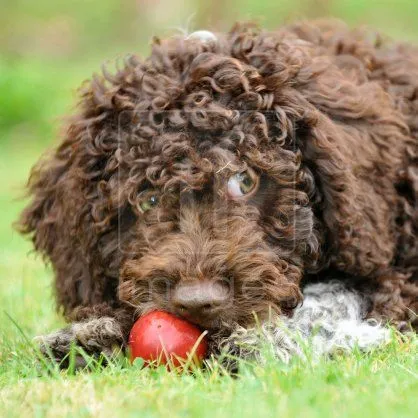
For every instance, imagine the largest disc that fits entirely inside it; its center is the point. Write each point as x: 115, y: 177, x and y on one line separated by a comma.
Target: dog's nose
x: 199, y: 301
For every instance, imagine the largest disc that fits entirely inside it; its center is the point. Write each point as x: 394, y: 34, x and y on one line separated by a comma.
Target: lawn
x: 35, y: 89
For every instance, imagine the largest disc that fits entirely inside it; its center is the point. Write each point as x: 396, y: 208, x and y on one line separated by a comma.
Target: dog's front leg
x: 95, y: 334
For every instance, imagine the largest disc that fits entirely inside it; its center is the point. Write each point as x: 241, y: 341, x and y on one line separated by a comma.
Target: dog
x: 226, y: 173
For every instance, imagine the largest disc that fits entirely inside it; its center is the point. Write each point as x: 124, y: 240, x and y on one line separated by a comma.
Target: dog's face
x: 214, y: 219
x: 214, y: 233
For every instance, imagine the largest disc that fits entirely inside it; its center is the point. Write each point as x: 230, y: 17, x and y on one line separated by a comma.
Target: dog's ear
x: 349, y: 127
x: 72, y: 216
x: 49, y: 219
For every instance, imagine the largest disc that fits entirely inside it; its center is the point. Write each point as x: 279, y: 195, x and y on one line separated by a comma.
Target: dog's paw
x: 95, y: 336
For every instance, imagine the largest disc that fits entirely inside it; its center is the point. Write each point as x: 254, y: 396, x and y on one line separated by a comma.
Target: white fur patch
x: 203, y: 35
x: 330, y: 320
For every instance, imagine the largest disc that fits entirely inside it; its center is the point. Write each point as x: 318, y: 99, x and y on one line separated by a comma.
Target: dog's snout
x: 199, y: 301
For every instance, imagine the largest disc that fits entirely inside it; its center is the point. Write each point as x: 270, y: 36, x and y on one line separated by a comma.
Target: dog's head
x: 201, y: 181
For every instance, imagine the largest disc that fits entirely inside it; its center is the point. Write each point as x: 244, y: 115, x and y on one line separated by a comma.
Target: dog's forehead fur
x: 194, y: 111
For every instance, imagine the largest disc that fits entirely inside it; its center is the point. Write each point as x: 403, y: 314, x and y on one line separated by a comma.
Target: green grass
x: 381, y: 385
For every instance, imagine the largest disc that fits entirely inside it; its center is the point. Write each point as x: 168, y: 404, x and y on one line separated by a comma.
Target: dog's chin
x: 213, y: 326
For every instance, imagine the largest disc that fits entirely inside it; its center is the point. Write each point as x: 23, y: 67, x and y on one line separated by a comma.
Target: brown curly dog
x: 218, y: 176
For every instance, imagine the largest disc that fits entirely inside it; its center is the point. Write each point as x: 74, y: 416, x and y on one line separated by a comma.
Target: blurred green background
x: 48, y: 47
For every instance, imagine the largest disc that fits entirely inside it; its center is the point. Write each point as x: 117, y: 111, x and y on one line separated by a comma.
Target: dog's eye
x: 242, y: 184
x: 149, y: 203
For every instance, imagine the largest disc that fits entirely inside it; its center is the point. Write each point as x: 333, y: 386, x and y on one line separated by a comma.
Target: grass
x: 381, y: 385
x: 35, y: 89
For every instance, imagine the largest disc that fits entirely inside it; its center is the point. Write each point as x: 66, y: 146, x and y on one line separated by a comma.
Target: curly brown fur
x: 326, y: 118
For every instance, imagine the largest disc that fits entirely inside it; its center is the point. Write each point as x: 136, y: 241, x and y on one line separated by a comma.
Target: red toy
x: 166, y: 338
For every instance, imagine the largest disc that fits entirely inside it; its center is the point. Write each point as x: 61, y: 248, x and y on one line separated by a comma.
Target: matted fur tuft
x: 331, y: 320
